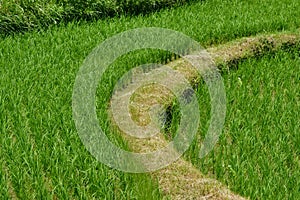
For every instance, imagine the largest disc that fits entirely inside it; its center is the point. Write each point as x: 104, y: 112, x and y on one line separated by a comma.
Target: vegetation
x: 260, y: 141
x: 19, y: 16
x: 41, y: 154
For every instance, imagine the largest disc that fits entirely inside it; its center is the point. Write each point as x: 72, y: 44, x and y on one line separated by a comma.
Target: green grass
x: 41, y: 153
x: 258, y: 153
x: 24, y: 15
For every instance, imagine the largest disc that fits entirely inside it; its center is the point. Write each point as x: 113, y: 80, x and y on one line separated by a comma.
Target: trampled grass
x: 42, y: 155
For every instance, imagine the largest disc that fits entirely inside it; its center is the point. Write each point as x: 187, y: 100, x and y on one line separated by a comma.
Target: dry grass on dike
x: 181, y: 180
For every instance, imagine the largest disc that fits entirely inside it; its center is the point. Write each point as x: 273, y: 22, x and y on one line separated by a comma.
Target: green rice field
x: 257, y: 156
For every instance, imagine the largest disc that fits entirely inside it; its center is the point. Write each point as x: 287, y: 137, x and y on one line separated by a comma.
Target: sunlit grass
x: 258, y: 152
x: 42, y: 156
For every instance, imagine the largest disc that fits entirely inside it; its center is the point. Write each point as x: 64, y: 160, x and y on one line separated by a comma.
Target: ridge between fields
x: 181, y: 180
